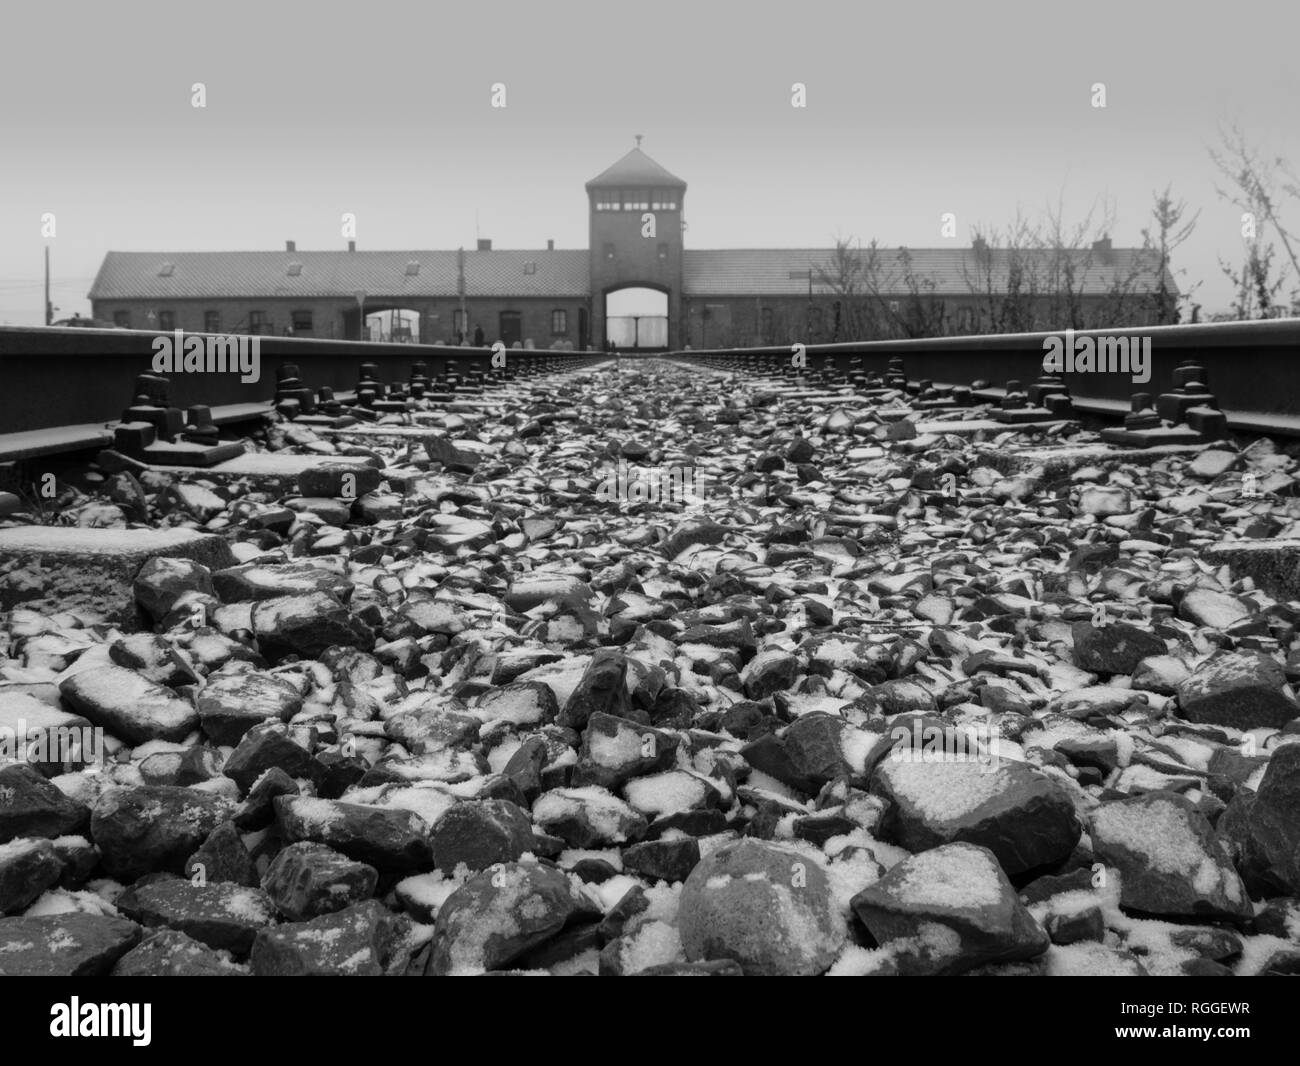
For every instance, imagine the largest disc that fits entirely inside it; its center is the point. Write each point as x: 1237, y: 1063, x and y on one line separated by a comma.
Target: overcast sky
x: 384, y: 110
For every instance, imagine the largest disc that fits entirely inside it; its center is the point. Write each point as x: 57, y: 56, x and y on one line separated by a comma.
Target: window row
x: 636, y: 200
x: 559, y: 321
x: 258, y: 322
x: 611, y: 251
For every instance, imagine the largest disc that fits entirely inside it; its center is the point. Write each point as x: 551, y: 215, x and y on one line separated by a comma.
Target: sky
x: 385, y: 110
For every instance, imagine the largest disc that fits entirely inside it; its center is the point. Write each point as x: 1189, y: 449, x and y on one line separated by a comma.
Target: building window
x: 294, y: 269
x: 766, y: 319
x: 663, y: 251
x: 530, y: 267
x: 166, y: 321
x: 256, y: 321
x: 458, y: 325
x: 609, y: 251
x: 211, y: 321
x: 301, y: 321
x: 413, y: 268
x: 966, y: 319
x: 893, y: 306
x: 559, y: 321
x: 166, y: 270
x: 122, y: 319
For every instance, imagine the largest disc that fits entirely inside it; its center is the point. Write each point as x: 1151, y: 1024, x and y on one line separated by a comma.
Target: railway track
x: 722, y: 662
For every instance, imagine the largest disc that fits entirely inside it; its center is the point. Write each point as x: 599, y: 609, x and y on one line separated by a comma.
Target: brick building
x: 635, y: 286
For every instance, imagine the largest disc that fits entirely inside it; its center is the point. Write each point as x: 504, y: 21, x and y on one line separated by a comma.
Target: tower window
x: 664, y: 200
x: 636, y: 200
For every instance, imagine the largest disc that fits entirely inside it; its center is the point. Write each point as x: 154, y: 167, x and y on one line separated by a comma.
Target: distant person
x: 478, y: 336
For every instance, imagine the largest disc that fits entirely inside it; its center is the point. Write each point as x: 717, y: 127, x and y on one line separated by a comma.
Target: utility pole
x: 49, y: 310
x: 460, y: 285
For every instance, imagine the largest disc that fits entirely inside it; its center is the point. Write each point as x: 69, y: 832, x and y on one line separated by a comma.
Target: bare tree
x: 925, y: 314
x: 1251, y: 185
x: 1166, y: 233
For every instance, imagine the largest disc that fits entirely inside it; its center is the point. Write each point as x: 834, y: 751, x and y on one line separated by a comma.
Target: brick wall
x: 636, y: 262
x: 741, y: 321
x: 334, y: 318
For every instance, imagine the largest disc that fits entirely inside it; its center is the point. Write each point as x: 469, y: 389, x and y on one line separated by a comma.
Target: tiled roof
x: 635, y: 168
x: 564, y: 273
x: 198, y: 275
x: 955, y: 271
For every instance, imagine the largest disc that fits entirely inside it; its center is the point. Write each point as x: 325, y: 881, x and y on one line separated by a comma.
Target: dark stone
x: 365, y: 940
x: 219, y: 914
x: 307, y: 880
x: 32, y: 807
x: 265, y: 747
x: 387, y: 838
x: 662, y: 860
x: 153, y: 828
x: 170, y: 953
x: 479, y: 833
x: 602, y: 689
x: 223, y: 857
x: 258, y: 810
x: 1114, y: 648
x: 65, y: 945
x: 27, y: 868
x: 498, y: 915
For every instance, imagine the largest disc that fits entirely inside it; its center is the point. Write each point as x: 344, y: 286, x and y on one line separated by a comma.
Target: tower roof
x: 636, y: 168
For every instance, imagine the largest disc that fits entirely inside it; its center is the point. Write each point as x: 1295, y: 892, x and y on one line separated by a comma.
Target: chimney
x: 1103, y: 249
x: 980, y: 244
x: 290, y: 246
x: 352, y: 246
x: 484, y: 244
x: 550, y: 246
